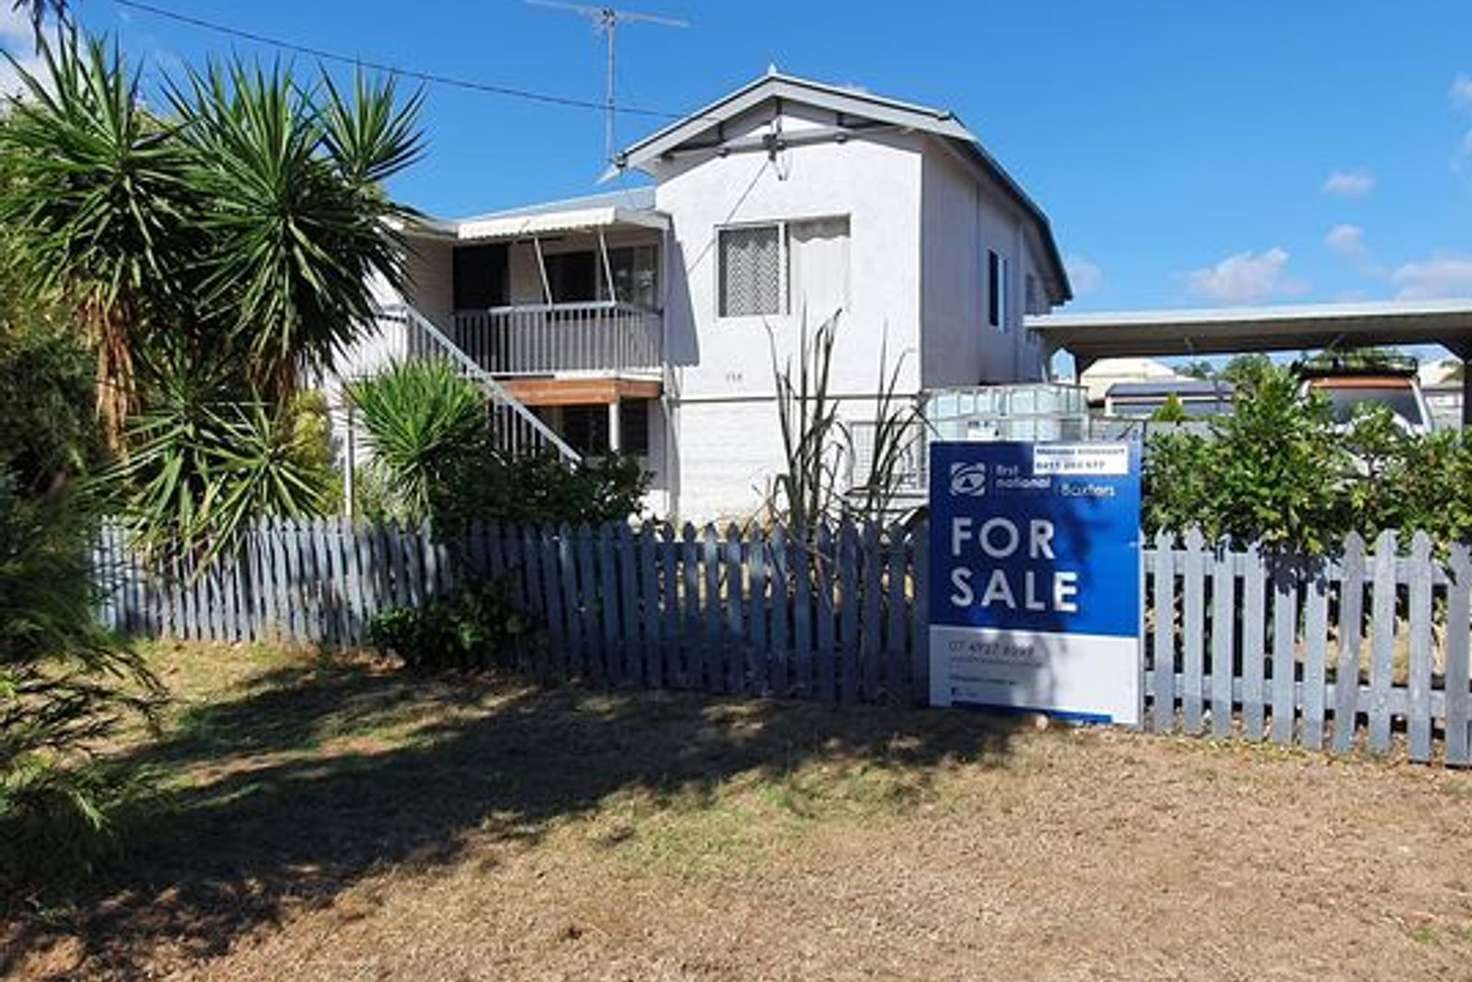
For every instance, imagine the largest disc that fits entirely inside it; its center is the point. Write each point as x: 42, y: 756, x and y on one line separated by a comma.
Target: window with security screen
x: 750, y: 271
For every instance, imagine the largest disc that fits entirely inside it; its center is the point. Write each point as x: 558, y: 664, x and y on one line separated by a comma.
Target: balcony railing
x: 526, y: 340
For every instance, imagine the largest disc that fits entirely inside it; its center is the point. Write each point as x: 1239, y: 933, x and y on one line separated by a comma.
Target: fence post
x: 649, y: 657
x: 1193, y: 631
x: 1285, y: 629
x: 920, y: 623
x: 802, y: 613
x: 872, y: 610
x: 1165, y: 622
x: 897, y: 637
x: 781, y: 598
x: 1316, y: 629
x: 1382, y: 641
x: 1254, y: 646
x: 694, y: 650
x: 1223, y: 631
x: 757, y: 610
x: 848, y: 611
x: 633, y: 661
x: 1458, y: 615
x: 823, y: 564
x: 552, y: 599
x: 1347, y: 669
x: 736, y: 647
x: 1418, y: 720
x: 669, y: 633
x: 712, y: 656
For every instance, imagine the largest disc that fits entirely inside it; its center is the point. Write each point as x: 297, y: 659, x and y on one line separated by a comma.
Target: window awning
x: 547, y: 223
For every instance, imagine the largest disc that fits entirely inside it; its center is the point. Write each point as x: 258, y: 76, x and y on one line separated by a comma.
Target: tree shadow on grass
x: 310, y: 780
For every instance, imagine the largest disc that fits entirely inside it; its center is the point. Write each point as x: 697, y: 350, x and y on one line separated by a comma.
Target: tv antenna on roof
x: 606, y: 21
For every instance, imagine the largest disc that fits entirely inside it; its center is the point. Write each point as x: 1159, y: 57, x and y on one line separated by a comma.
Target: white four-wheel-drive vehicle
x: 1352, y: 380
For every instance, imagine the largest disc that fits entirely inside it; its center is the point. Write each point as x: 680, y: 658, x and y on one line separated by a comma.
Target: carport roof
x: 1089, y: 337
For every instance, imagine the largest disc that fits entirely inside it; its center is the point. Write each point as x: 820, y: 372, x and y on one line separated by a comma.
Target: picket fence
x: 1354, y: 652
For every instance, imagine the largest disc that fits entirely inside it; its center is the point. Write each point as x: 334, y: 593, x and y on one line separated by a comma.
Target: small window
x: 996, y: 276
x: 750, y: 271
x: 633, y: 426
x: 635, y: 276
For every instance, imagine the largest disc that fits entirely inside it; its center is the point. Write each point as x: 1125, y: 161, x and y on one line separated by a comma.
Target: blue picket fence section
x: 1367, y: 651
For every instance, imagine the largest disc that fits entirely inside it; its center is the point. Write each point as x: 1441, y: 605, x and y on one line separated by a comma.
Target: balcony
x: 598, y: 336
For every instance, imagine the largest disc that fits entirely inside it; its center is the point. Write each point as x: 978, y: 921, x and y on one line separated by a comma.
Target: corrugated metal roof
x: 630, y: 199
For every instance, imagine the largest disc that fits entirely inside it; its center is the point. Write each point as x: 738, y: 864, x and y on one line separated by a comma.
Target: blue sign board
x: 1035, y: 577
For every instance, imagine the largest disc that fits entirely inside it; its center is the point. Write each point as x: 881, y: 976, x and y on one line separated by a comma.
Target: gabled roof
x: 847, y: 102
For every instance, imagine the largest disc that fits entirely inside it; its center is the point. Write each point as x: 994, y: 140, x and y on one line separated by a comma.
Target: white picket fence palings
x: 1370, y: 650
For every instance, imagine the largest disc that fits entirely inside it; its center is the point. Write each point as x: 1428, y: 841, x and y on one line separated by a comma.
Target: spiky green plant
x: 294, y: 209
x: 97, y: 206
x: 205, y: 461
x: 421, y: 419
x: 818, y: 444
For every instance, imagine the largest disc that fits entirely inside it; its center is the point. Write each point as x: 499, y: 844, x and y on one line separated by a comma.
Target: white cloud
x: 1347, y: 240
x: 1246, y: 277
x: 1084, y: 274
x: 17, y: 38
x: 1349, y: 183
x: 1461, y: 91
x: 1438, y: 276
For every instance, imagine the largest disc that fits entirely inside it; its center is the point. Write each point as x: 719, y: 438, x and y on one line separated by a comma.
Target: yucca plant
x: 238, y: 236
x: 294, y: 209
x: 421, y: 421
x: 205, y: 460
x: 98, y: 207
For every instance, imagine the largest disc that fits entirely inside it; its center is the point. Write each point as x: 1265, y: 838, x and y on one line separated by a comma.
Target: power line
x: 430, y: 77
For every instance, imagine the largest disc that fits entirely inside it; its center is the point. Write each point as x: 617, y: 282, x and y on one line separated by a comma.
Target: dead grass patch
x: 335, y: 819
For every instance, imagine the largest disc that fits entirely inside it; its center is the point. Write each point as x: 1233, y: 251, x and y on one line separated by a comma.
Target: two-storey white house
x: 647, y: 319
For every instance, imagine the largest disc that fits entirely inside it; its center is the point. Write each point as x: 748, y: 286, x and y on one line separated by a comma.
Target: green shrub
x: 66, y: 686
x: 434, y: 458
x: 477, y: 627
x: 1278, y: 471
x: 49, y: 429
x: 539, y: 489
x: 1171, y: 411
x: 1272, y: 472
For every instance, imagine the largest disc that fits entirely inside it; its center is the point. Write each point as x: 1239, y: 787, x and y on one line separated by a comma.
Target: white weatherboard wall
x: 728, y: 441
x: 965, y: 216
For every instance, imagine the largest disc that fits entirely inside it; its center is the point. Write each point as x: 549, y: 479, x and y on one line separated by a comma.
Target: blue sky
x: 1187, y: 154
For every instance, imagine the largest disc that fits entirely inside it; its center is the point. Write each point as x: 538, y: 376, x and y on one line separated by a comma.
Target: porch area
x: 574, y: 287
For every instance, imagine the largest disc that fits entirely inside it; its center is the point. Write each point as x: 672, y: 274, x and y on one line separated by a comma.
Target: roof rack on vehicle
x: 1356, y: 362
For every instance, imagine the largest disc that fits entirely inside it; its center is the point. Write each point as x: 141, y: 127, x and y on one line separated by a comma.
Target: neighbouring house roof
x: 1101, y: 376
x: 1181, y: 387
x: 849, y: 104
x: 631, y: 207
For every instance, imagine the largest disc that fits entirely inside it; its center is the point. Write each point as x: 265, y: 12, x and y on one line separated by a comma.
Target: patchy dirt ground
x: 336, y: 822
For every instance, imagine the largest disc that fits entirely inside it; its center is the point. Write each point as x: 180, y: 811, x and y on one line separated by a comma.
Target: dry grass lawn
x: 341, y: 821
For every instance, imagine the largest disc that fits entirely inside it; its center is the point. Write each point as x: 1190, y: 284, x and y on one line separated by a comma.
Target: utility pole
x: 605, y: 21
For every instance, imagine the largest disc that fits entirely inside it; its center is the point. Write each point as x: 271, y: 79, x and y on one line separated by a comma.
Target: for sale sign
x: 1035, y: 578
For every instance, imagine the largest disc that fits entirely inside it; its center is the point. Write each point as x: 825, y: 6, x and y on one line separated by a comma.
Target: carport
x: 1239, y: 330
